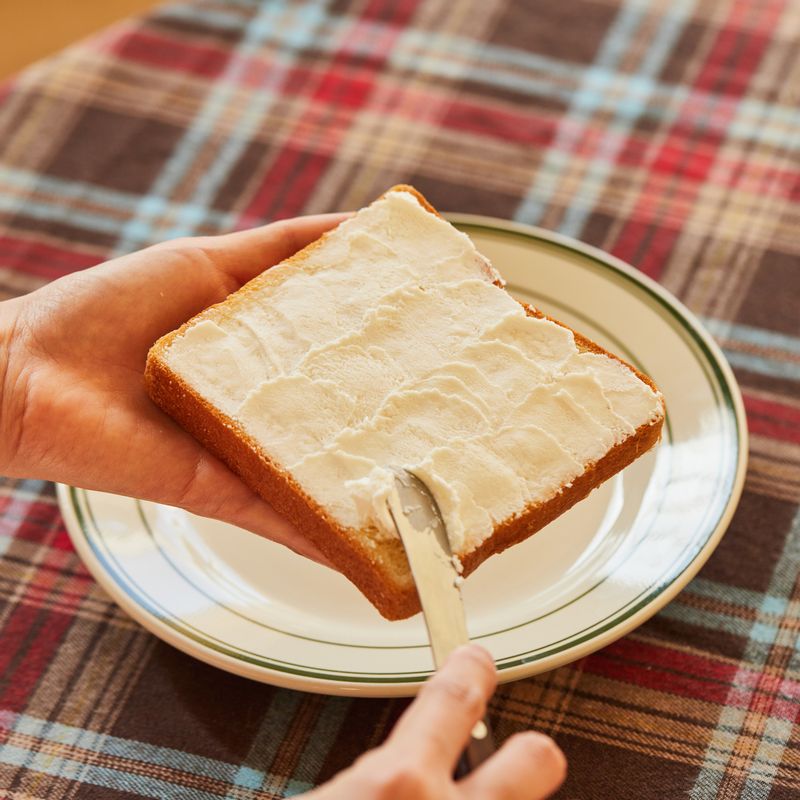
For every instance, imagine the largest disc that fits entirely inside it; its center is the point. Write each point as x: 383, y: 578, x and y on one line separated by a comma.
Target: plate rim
x: 656, y: 598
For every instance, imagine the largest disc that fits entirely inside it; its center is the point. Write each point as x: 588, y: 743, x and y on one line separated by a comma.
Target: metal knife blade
x: 415, y: 514
x: 418, y: 521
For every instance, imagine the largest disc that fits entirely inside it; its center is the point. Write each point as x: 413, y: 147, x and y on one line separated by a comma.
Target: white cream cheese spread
x: 393, y: 347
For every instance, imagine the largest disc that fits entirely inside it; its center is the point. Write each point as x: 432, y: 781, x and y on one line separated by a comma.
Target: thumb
x: 245, y: 254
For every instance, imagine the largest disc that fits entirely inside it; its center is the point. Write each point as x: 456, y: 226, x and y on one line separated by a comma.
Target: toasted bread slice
x: 391, y: 342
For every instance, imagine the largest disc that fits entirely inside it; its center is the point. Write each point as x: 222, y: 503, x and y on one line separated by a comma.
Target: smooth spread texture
x: 392, y: 346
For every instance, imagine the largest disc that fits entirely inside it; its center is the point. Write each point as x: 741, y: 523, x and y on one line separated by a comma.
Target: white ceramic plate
x: 255, y: 609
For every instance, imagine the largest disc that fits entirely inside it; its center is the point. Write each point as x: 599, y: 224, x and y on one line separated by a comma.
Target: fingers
x: 529, y: 766
x: 145, y: 454
x: 245, y: 254
x: 214, y: 491
x: 260, y: 518
x: 437, y: 725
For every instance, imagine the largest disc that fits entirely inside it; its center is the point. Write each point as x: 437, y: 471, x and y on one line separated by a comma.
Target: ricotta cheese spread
x: 392, y: 345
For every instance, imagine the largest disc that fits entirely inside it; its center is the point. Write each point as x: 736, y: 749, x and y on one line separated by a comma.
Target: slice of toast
x: 390, y: 342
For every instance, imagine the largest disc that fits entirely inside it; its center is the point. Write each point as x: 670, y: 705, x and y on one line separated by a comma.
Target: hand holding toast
x: 72, y: 404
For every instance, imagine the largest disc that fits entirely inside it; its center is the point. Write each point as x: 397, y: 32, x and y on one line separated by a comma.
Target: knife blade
x: 420, y: 525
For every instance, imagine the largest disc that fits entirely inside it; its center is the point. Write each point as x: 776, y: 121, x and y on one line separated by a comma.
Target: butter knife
x: 421, y: 528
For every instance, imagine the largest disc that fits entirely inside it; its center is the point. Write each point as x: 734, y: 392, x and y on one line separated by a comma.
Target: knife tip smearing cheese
x: 391, y: 342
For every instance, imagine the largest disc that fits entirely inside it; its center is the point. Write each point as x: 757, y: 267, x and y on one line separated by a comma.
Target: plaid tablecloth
x: 666, y: 132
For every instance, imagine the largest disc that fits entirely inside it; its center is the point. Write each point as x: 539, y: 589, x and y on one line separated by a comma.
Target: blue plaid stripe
x: 140, y: 229
x: 243, y: 781
x: 768, y: 612
x: 722, y: 748
x: 59, y: 195
x: 65, y: 736
x: 784, y: 364
x: 583, y: 105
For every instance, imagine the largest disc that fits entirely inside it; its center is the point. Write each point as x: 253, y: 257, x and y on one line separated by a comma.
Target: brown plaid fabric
x: 667, y: 133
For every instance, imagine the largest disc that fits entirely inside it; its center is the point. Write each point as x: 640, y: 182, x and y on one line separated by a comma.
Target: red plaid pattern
x: 663, y: 132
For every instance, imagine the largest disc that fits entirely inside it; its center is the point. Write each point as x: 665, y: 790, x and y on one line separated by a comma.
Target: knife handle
x: 478, y: 749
